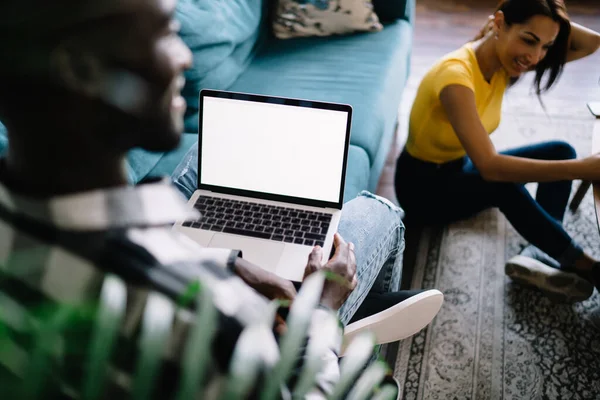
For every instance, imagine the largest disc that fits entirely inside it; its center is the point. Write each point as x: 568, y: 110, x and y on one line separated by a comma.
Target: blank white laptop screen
x: 273, y: 148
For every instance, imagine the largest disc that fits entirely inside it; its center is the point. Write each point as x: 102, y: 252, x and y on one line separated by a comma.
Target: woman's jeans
x: 442, y: 193
x: 371, y: 222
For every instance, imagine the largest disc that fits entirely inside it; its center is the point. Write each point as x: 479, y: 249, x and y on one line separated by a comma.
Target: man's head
x: 108, y: 69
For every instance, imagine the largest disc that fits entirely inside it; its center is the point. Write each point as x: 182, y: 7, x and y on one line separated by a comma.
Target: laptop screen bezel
x: 284, y: 101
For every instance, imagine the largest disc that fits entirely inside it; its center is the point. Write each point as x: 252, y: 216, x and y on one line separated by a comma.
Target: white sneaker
x: 560, y: 285
x: 408, y: 314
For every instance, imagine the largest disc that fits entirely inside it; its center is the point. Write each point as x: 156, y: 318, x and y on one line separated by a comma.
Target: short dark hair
x: 31, y: 30
x: 519, y: 12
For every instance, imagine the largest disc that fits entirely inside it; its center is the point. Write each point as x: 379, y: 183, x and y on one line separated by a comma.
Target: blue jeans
x: 371, y: 222
x: 442, y: 193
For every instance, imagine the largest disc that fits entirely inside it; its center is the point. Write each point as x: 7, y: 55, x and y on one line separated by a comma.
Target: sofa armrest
x: 391, y: 10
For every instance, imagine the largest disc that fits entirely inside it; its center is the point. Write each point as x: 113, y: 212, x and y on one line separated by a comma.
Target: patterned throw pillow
x: 298, y: 18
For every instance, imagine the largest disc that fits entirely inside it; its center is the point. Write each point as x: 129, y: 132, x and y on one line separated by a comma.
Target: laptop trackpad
x: 263, y: 253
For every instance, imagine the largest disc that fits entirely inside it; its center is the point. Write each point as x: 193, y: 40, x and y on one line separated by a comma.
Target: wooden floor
x: 444, y: 25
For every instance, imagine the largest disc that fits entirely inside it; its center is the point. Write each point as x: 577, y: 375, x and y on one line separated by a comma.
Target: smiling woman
x: 449, y: 154
x: 539, y: 42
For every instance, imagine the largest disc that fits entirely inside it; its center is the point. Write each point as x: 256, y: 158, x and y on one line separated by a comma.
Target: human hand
x: 343, y: 267
x: 488, y: 27
x: 590, y: 168
x: 264, y: 282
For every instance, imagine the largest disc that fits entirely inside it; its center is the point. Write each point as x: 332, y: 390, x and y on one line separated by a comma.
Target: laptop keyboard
x: 261, y: 221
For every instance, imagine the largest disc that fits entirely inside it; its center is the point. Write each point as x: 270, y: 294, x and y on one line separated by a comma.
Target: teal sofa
x: 233, y: 49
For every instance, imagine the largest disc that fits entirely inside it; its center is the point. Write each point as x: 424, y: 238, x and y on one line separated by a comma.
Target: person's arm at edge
x: 459, y: 104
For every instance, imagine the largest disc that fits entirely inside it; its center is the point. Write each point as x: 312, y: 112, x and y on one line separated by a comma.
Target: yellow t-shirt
x: 431, y: 136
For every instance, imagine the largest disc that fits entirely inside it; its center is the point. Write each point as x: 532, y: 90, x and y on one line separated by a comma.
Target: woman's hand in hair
x: 487, y: 28
x: 582, y: 43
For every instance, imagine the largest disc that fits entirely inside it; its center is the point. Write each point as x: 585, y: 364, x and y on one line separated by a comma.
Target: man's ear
x: 499, y: 22
x: 78, y: 70
x: 86, y: 73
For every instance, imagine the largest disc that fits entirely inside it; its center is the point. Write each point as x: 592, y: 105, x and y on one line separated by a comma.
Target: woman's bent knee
x: 562, y: 150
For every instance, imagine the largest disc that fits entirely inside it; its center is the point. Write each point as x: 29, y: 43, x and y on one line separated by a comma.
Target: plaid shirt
x: 114, y: 231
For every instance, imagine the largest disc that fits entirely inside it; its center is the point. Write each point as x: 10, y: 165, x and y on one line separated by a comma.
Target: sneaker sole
x: 400, y: 321
x: 561, y: 286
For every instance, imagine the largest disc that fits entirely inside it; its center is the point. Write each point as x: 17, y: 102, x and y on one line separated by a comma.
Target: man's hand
x: 342, y: 265
x: 264, y: 282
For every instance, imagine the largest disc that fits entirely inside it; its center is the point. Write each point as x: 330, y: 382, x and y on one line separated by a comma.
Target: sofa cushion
x: 367, y: 71
x: 223, y: 37
x: 140, y: 163
x: 301, y: 18
x: 357, y: 173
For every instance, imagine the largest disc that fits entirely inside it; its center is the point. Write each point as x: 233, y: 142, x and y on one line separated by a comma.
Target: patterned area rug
x: 494, y: 339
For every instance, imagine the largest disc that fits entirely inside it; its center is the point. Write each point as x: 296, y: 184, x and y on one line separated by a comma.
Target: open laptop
x: 271, y: 175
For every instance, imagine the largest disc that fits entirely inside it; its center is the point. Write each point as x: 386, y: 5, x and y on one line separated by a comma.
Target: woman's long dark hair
x: 519, y: 12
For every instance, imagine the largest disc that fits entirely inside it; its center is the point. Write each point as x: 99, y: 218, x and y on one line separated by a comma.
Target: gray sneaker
x: 533, y: 267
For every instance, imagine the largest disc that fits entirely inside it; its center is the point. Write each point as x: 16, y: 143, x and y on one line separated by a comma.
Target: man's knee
x: 377, y: 206
x: 370, y: 214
